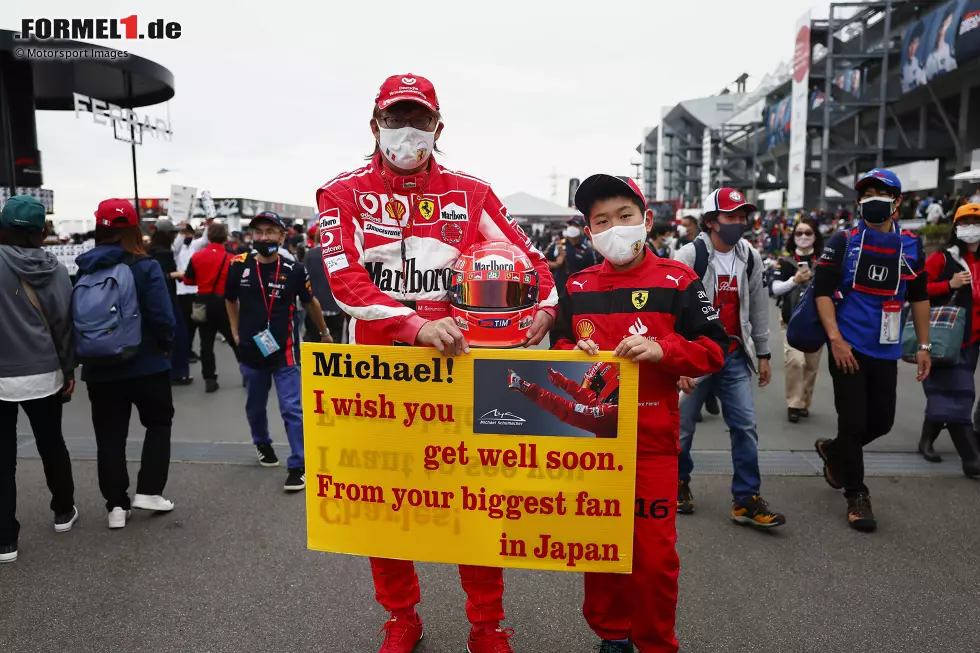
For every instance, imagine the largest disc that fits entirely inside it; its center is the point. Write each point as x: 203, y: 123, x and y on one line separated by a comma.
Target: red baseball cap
x: 116, y: 213
x: 726, y: 200
x: 407, y: 88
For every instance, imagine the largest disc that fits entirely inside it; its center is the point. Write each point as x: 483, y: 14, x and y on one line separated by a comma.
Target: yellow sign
x: 426, y: 208
x: 500, y: 458
x: 640, y: 298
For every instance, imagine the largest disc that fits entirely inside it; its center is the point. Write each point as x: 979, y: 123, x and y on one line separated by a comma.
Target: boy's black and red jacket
x: 661, y: 300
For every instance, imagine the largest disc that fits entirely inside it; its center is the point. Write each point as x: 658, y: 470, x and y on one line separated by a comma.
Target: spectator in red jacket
x: 208, y: 270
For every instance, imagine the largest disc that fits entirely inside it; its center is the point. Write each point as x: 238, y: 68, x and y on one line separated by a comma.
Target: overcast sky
x: 273, y: 99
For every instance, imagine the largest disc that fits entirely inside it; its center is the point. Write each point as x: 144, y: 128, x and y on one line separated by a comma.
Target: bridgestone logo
x: 419, y: 281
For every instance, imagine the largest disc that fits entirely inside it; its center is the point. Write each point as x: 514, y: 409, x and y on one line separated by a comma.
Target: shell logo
x: 395, y: 209
x: 584, y: 329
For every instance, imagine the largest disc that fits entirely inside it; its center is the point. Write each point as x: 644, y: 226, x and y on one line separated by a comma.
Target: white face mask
x: 572, y: 232
x: 804, y: 242
x: 968, y: 233
x: 406, y: 148
x: 620, y: 244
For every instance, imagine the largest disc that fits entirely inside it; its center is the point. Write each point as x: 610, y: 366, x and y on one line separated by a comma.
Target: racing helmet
x: 494, y: 295
x: 603, y: 380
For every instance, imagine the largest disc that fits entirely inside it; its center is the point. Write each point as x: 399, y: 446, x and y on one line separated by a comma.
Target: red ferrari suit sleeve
x: 697, y: 345
x: 350, y: 283
x: 579, y: 393
x: 497, y: 224
x: 601, y: 419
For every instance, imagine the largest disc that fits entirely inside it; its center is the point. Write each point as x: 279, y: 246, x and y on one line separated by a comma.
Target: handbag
x: 199, y: 310
x: 947, y: 328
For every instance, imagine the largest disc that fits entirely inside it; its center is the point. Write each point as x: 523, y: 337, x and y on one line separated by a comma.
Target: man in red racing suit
x: 653, y: 311
x: 391, y: 278
x: 586, y: 412
x: 390, y: 234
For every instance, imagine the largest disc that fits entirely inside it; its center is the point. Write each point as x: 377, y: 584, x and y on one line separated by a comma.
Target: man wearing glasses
x: 390, y: 234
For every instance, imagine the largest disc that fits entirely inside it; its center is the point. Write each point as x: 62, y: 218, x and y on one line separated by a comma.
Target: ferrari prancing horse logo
x: 640, y: 298
x: 427, y: 208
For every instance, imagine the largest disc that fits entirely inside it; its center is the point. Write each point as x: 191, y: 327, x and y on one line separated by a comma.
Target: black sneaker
x: 295, y: 480
x: 194, y: 358
x: 754, y: 511
x: 211, y: 385
x: 606, y: 646
x: 187, y: 380
x: 859, y: 514
x: 8, y: 553
x: 711, y: 405
x: 793, y: 415
x: 685, y: 500
x: 64, y: 521
x: 804, y: 412
x: 267, y: 455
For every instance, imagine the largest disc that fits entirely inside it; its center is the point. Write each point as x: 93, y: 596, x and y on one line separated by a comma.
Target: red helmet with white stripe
x: 603, y: 380
x: 494, y: 295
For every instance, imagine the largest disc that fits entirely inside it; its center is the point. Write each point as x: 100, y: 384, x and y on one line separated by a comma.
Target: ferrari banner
x: 500, y: 458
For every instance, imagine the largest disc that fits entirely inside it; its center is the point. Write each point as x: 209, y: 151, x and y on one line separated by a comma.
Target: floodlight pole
x: 8, y: 137
x: 132, y: 145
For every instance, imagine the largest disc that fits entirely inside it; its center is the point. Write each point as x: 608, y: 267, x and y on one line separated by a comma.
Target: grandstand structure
x: 891, y: 83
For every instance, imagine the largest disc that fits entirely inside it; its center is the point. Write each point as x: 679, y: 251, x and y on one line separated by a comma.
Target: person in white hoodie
x: 37, y: 363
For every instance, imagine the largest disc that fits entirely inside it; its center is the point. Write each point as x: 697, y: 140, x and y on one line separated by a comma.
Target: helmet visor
x: 494, y: 290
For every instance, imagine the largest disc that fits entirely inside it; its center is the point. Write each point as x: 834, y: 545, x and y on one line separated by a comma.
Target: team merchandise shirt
x: 267, y: 294
x: 726, y: 294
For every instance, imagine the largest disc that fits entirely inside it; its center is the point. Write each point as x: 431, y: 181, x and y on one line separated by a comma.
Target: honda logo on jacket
x: 878, y: 273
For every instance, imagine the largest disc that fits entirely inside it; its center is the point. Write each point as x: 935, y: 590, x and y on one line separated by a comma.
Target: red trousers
x: 643, y: 605
x: 396, y: 587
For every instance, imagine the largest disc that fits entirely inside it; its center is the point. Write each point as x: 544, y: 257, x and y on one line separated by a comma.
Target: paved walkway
x: 228, y: 570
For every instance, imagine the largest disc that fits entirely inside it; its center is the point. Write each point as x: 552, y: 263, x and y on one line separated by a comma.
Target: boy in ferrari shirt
x: 655, y: 313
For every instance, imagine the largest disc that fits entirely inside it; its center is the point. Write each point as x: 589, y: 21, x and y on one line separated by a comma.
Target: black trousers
x: 186, y: 303
x: 112, y: 406
x: 45, y: 418
x: 217, y: 323
x: 865, y: 403
x: 335, y: 325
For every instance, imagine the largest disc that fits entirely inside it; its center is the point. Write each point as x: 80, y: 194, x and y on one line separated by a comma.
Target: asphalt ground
x: 228, y: 570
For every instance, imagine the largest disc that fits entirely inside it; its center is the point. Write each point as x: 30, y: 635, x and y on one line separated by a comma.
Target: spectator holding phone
x: 794, y: 272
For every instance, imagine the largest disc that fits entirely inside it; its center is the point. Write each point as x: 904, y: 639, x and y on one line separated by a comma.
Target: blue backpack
x: 106, y: 315
x: 805, y: 331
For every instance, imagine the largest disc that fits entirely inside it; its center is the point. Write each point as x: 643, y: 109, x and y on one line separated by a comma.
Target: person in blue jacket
x: 142, y: 381
x: 863, y: 278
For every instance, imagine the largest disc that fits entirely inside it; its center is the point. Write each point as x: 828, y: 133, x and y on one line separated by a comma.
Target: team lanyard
x: 390, y: 210
x: 272, y: 295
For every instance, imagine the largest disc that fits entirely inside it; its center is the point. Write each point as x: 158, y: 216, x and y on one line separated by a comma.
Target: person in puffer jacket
x: 37, y: 363
x: 142, y: 381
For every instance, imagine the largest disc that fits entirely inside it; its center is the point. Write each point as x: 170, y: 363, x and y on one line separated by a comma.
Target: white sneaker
x: 153, y: 502
x: 118, y: 517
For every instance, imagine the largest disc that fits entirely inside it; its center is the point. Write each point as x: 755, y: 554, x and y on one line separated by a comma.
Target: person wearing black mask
x: 731, y: 270
x: 875, y: 267
x: 260, y: 298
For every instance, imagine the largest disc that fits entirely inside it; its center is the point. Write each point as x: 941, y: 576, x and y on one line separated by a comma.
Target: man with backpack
x: 863, y: 278
x: 731, y: 270
x: 124, y: 332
